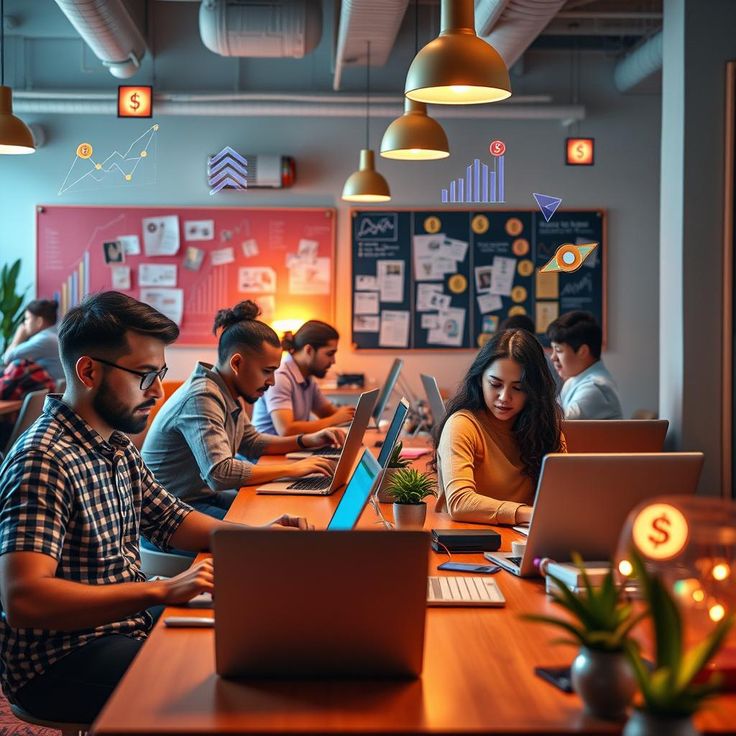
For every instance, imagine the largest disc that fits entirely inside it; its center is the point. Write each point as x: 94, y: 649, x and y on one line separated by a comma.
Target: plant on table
x: 408, y: 488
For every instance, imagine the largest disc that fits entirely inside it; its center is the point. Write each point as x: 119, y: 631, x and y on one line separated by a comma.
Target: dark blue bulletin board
x: 446, y: 279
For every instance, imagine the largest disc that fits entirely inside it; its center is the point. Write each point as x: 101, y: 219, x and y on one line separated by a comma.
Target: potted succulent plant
x: 395, y: 463
x: 670, y: 695
x: 601, y: 621
x: 408, y: 488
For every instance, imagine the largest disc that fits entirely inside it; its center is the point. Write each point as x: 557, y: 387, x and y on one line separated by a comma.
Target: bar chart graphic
x: 481, y: 184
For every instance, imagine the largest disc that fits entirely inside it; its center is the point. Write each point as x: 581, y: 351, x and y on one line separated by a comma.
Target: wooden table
x: 8, y: 407
x: 478, y: 671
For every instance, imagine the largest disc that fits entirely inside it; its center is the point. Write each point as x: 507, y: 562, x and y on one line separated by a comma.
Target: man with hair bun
x: 193, y: 441
x: 286, y: 409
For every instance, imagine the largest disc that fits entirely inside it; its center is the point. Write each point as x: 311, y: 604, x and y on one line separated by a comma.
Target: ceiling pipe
x: 109, y: 31
x: 641, y: 63
x: 487, y: 13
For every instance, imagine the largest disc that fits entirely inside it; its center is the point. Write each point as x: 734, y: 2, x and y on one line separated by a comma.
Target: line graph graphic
x: 117, y: 168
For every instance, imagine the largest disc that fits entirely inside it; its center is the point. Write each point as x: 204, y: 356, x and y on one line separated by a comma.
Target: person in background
x: 295, y: 396
x: 499, y: 426
x: 74, y: 498
x: 36, y: 340
x: 525, y: 322
x: 194, y: 438
x: 589, y: 391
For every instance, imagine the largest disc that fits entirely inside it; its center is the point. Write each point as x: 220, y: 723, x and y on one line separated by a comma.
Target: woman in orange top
x: 499, y: 426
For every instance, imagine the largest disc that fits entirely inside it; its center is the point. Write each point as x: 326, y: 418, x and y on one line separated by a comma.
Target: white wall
x: 625, y: 181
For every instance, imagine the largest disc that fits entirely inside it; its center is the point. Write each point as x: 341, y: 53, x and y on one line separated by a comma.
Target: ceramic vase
x: 410, y: 515
x: 642, y: 723
x: 604, y: 681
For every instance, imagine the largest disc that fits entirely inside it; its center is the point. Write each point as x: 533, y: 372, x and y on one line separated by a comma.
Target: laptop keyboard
x: 515, y: 560
x: 327, y: 452
x: 313, y: 483
x: 459, y: 590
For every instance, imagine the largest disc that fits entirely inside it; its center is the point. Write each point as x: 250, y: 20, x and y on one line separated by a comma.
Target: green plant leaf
x: 565, y: 598
x: 695, y: 659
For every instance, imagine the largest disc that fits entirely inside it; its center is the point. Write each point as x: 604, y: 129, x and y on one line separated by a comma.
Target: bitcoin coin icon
x: 660, y: 531
x: 480, y: 224
x: 432, y: 224
x: 518, y: 294
x: 525, y: 268
x: 517, y: 309
x: 84, y: 150
x: 457, y: 283
x: 483, y: 338
x: 514, y: 226
x: 520, y: 247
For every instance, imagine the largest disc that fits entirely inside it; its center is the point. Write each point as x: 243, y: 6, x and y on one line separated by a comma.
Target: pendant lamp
x: 15, y: 135
x: 415, y: 136
x: 366, y: 184
x: 457, y: 67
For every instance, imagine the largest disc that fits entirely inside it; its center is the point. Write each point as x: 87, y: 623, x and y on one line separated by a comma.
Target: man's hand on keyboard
x: 292, y: 522
x: 312, y: 466
x: 330, y: 437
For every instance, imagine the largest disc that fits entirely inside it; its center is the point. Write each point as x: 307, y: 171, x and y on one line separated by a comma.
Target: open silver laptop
x: 582, y: 502
x: 323, y: 485
x: 310, y: 604
x: 434, y: 397
x: 615, y: 435
x: 387, y: 390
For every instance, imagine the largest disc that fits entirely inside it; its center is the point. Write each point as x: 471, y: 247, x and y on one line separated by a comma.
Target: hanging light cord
x: 2, y: 43
x: 416, y: 27
x: 367, y: 95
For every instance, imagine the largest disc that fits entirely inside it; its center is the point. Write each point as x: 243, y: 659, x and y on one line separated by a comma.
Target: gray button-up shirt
x: 290, y: 391
x: 193, y: 440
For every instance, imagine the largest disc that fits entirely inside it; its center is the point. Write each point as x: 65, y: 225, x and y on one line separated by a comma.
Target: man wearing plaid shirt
x: 75, y: 496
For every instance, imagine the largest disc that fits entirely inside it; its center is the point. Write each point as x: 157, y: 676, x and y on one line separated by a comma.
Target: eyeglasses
x: 147, y: 377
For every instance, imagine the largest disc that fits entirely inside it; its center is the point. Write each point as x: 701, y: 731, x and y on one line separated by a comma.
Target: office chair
x: 67, y: 729
x: 30, y: 410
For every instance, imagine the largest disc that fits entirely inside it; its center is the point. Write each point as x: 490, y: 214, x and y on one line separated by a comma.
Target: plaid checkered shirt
x: 67, y: 493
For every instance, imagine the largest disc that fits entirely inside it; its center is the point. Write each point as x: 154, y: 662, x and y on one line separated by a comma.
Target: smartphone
x: 469, y: 567
x: 557, y: 676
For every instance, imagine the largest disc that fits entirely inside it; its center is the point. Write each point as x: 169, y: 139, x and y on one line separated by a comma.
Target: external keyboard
x: 312, y: 483
x: 460, y: 590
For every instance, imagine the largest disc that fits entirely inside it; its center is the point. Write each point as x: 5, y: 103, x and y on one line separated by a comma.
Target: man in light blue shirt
x: 589, y: 391
x: 36, y: 339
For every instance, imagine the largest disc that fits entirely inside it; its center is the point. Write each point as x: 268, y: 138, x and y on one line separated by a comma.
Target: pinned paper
x: 193, y: 258
x: 450, y: 328
x: 365, y: 302
x: 430, y: 321
x: 308, y: 250
x: 390, y: 275
x: 114, y: 252
x: 548, y: 285
x: 199, y: 229
x: 222, y: 256
x: 424, y: 294
x: 257, y: 280
x: 120, y: 278
x: 366, y: 283
x: 547, y: 312
x: 310, y: 278
x: 439, y: 301
x: 489, y: 303
x: 161, y: 235
x: 365, y: 323
x: 157, y: 274
x: 483, y: 275
x: 502, y: 278
x: 170, y: 302
x: 250, y: 247
x: 394, y: 331
x: 131, y: 244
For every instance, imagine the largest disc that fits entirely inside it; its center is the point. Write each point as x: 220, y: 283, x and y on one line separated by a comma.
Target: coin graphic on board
x: 514, y: 226
x: 525, y: 268
x: 432, y: 224
x: 518, y: 294
x: 457, y: 283
x: 516, y: 309
x: 84, y: 150
x: 479, y: 224
x: 520, y: 247
x: 660, y: 531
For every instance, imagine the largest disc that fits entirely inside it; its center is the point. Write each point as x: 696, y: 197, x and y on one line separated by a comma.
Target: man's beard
x: 320, y: 374
x: 117, y: 416
x: 253, y: 399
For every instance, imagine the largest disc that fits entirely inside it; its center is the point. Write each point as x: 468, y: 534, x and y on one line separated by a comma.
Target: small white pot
x: 410, y: 515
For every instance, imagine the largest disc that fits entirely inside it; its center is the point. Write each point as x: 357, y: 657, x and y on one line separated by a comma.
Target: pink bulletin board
x: 284, y: 259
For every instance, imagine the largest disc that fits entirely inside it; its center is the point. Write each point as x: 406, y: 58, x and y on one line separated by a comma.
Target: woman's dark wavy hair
x: 314, y: 333
x: 537, y: 426
x: 240, y: 330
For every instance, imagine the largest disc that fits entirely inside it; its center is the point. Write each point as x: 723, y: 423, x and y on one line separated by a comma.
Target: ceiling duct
x: 641, y: 63
x: 109, y: 31
x: 515, y: 24
x: 261, y: 28
x: 377, y: 21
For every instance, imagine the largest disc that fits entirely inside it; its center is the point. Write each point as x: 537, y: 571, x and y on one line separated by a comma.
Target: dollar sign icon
x: 661, y: 527
x: 581, y: 150
x: 134, y: 102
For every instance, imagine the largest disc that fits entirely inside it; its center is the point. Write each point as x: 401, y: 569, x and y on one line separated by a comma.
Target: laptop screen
x: 393, y: 433
x: 388, y: 387
x: 356, y: 493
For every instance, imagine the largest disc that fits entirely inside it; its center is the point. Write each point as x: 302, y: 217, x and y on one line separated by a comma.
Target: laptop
x: 323, y: 485
x: 434, y: 397
x: 615, y: 435
x: 388, y: 388
x: 583, y: 500
x: 312, y: 604
x: 364, y: 479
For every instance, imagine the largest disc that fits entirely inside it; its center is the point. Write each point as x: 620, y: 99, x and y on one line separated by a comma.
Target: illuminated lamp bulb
x: 716, y: 612
x: 625, y: 568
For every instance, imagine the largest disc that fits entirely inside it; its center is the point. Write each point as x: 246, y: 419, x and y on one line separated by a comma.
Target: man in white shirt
x: 36, y: 339
x: 589, y: 391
